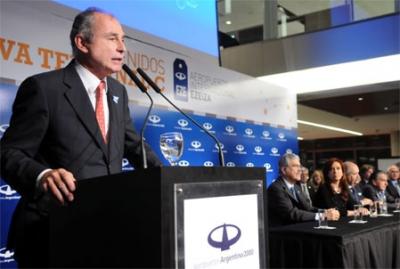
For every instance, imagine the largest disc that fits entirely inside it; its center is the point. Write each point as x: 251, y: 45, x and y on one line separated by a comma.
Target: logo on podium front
x: 220, y: 238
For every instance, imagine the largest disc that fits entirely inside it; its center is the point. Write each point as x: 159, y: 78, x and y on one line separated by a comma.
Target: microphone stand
x: 144, y: 90
x: 158, y: 90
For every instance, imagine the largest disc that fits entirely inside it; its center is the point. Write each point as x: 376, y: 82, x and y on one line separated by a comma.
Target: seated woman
x: 317, y: 179
x: 335, y: 191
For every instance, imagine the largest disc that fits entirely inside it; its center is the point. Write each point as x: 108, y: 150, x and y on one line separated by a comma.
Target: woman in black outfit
x: 335, y: 191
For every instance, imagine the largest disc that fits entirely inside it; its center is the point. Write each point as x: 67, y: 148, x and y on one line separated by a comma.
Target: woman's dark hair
x: 342, y: 183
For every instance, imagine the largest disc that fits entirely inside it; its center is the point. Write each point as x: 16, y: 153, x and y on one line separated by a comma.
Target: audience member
x: 365, y: 172
x: 317, y: 179
x: 335, y: 192
x: 377, y: 189
x: 393, y: 187
x: 351, y: 172
x: 286, y: 202
x: 303, y: 183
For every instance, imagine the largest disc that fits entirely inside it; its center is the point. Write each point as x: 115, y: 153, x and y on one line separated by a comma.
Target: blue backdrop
x: 244, y: 144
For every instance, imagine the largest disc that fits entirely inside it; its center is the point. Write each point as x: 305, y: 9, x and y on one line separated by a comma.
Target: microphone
x: 158, y: 90
x: 144, y: 90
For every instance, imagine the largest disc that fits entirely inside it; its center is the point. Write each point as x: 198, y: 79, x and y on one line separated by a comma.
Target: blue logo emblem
x: 183, y: 163
x: 225, y: 242
x: 221, y: 145
x: 229, y: 129
x: 240, y: 147
x: 183, y: 123
x: 207, y: 125
x: 196, y: 144
x: 7, y: 193
x: 208, y: 164
x: 154, y: 119
x: 248, y: 131
x: 181, y: 91
x: 6, y: 255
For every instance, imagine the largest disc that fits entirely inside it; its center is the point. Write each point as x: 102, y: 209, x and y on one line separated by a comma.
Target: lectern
x: 168, y: 217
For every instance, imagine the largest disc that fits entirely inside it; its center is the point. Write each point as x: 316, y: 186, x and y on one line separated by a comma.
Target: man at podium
x: 68, y: 124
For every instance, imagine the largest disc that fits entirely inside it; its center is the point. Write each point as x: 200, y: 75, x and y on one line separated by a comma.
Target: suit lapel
x: 113, y: 103
x: 79, y: 100
x: 287, y: 190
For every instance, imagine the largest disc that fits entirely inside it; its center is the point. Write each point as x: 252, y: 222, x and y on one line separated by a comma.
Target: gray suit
x: 285, y: 209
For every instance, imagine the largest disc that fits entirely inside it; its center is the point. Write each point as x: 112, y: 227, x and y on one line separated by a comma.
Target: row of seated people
x: 337, y: 188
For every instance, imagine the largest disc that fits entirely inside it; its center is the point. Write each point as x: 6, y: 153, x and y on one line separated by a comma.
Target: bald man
x: 353, y: 178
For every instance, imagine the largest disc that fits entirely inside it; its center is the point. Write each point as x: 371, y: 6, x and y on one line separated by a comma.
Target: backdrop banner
x: 256, y: 122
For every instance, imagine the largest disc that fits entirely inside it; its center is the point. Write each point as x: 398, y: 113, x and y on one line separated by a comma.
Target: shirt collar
x: 288, y: 184
x: 89, y: 80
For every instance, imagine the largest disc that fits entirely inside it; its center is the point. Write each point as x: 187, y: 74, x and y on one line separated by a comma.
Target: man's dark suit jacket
x: 371, y: 192
x: 284, y: 209
x: 391, y: 189
x: 53, y: 125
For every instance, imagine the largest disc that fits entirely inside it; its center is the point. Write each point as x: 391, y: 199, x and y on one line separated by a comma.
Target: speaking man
x: 67, y: 125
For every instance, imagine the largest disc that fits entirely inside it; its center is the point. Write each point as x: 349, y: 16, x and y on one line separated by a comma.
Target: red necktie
x: 100, y: 109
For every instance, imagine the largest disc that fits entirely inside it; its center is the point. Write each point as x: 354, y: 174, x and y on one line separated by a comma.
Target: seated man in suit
x: 377, y: 189
x: 353, y: 178
x: 286, y: 202
x: 67, y: 125
x: 393, y: 187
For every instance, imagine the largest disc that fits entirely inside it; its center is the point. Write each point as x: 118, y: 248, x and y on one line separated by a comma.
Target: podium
x: 167, y: 217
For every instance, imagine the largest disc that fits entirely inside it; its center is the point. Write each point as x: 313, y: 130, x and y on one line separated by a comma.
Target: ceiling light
x: 365, y: 72
x: 385, y: 108
x: 360, y: 98
x: 328, y: 127
x: 228, y: 22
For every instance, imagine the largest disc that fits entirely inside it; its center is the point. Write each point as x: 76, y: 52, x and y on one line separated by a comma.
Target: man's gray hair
x: 83, y: 23
x: 284, y: 161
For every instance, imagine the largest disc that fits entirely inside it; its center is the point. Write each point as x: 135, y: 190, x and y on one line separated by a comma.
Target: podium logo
x: 183, y: 163
x: 208, y: 126
x: 208, y: 164
x: 154, y: 119
x: 224, y: 236
x: 6, y: 255
x: 7, y: 193
x: 230, y: 164
x: 183, y: 123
